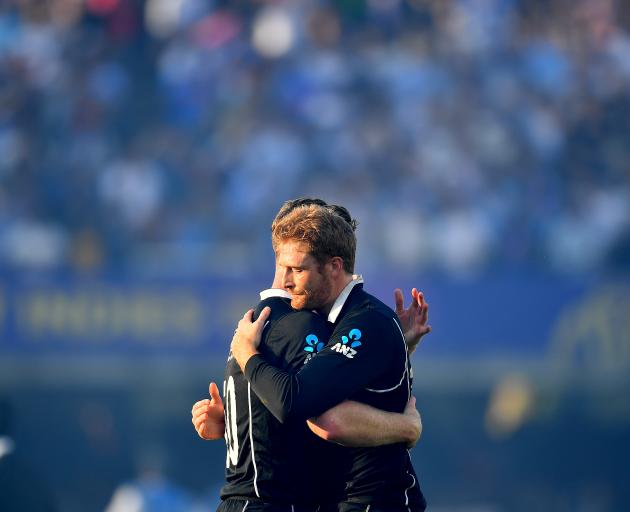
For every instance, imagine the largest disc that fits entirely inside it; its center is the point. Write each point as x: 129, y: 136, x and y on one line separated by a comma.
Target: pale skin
x: 208, y: 415
x: 350, y: 425
x: 414, y: 319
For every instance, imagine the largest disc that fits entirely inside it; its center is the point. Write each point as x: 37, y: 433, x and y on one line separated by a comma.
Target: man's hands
x: 247, y: 336
x: 414, y: 319
x: 414, y: 416
x: 207, y: 415
x: 415, y: 324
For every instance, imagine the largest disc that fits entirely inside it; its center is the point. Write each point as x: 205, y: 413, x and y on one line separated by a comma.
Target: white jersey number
x: 231, y: 434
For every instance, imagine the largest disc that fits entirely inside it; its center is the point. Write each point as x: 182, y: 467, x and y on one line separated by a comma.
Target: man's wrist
x: 245, y: 356
x: 253, y: 365
x: 415, y: 429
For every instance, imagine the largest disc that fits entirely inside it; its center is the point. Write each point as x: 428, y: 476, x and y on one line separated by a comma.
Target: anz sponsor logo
x: 313, y: 345
x: 348, y: 344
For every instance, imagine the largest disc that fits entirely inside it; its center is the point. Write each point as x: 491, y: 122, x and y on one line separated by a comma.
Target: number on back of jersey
x: 231, y: 434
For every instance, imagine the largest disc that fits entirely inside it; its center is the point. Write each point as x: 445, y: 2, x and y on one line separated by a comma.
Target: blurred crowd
x: 160, y: 136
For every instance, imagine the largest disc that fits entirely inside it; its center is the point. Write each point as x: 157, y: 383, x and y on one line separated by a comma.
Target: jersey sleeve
x: 357, y: 354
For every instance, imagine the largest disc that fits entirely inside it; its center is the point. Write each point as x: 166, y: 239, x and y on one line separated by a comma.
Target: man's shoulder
x: 297, y: 322
x: 279, y: 305
x: 292, y: 335
x: 290, y: 322
x: 369, y: 316
x: 367, y: 307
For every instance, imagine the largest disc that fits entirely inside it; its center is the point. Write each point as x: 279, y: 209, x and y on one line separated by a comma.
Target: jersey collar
x: 343, y: 296
x: 274, y: 292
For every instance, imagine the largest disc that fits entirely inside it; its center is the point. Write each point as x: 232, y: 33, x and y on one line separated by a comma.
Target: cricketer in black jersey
x: 365, y: 360
x: 268, y: 461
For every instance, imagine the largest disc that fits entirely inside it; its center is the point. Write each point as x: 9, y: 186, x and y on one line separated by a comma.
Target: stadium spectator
x: 496, y: 129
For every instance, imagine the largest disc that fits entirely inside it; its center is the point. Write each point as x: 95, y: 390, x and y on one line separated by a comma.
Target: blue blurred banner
x: 527, y: 316
x: 510, y: 317
x: 109, y: 316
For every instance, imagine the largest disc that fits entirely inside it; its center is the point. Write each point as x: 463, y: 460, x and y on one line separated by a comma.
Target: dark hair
x: 343, y: 212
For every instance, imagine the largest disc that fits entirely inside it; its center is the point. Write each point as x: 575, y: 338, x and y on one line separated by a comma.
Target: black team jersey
x: 365, y: 360
x: 269, y: 461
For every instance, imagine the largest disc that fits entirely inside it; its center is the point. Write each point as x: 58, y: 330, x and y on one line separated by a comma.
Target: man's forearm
x: 310, y: 392
x: 360, y: 425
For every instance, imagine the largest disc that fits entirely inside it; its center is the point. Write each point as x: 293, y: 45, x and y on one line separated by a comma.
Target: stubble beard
x: 310, y: 299
x: 300, y: 300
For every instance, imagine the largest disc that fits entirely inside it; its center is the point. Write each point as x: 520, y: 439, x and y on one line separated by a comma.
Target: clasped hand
x: 247, y: 336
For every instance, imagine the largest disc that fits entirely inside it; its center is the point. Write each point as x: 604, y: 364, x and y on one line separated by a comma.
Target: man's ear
x: 336, y: 265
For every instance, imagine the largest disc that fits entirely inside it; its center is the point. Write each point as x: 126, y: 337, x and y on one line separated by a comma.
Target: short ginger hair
x: 326, y: 233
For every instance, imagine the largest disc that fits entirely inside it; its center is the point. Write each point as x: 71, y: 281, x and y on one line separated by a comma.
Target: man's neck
x: 337, y: 289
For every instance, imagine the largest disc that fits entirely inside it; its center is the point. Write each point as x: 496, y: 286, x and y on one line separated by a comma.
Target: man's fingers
x: 214, y: 393
x: 424, y: 313
x: 197, y: 422
x: 200, y: 421
x: 246, y: 320
x: 198, y: 415
x: 200, y: 403
x: 399, y: 301
x: 264, y: 314
x: 414, y: 299
x: 248, y: 317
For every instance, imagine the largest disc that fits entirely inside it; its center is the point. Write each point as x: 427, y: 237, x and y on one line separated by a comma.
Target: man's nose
x: 287, y: 279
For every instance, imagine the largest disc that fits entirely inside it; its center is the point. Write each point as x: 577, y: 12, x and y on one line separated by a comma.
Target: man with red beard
x: 267, y: 461
x: 365, y: 359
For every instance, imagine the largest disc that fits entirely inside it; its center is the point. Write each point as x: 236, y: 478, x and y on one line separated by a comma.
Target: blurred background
x: 483, y: 145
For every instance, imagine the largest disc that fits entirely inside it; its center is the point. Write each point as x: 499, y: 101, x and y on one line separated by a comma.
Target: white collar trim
x: 274, y: 292
x: 343, y: 296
